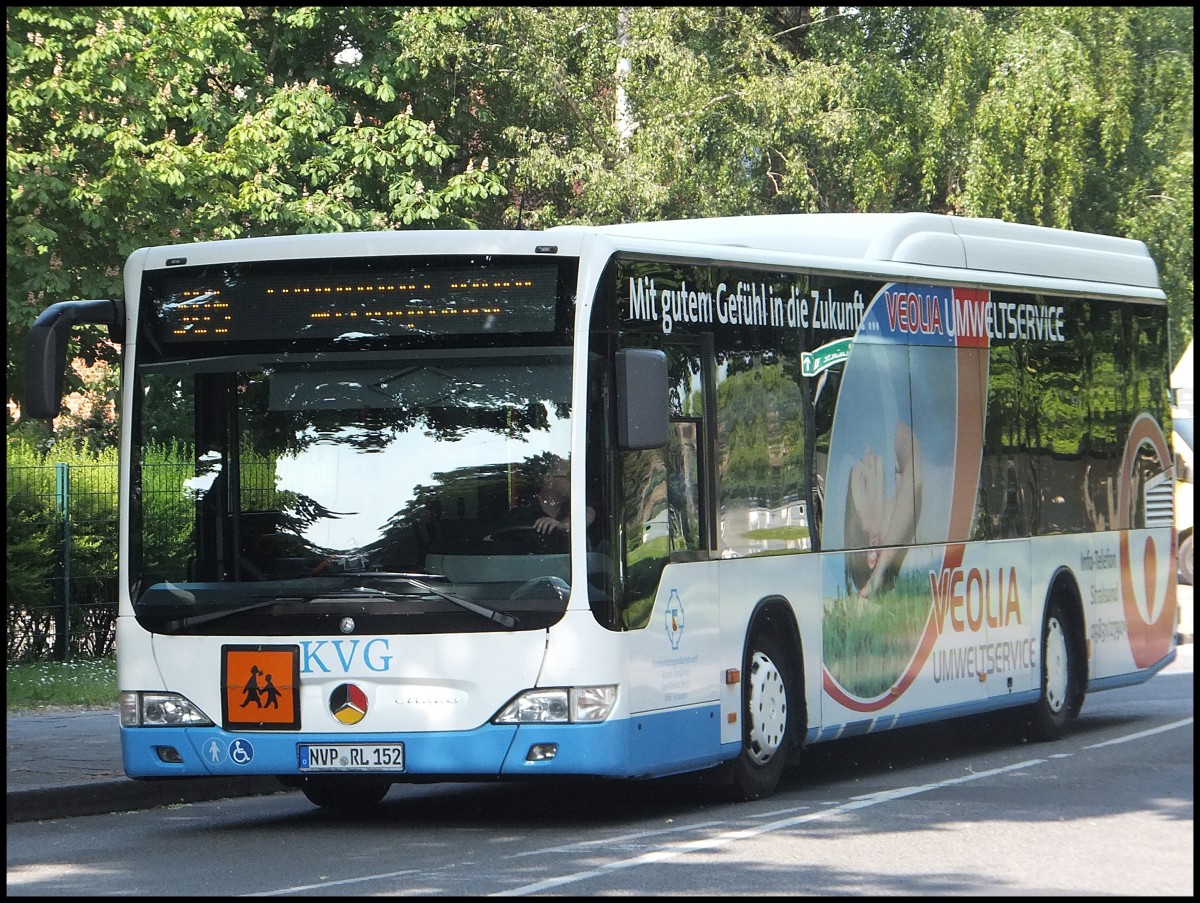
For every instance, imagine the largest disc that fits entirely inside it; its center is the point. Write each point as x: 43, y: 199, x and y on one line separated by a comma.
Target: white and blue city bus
x: 832, y: 474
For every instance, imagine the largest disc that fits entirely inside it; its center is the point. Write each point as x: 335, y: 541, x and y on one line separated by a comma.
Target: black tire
x: 344, y: 793
x: 1062, y: 689
x: 768, y: 721
x: 1185, y: 561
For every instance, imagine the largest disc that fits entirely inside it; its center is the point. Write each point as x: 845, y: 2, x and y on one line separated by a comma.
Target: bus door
x: 670, y: 582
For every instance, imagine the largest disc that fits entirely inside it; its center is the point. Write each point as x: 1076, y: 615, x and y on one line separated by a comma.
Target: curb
x: 125, y: 795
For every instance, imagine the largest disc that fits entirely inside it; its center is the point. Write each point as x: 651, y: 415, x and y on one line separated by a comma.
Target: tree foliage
x: 136, y: 126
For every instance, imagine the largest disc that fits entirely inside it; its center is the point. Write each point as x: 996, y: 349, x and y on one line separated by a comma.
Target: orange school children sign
x: 260, y: 687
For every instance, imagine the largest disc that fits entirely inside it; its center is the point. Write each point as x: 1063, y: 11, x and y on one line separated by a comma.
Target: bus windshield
x: 368, y: 485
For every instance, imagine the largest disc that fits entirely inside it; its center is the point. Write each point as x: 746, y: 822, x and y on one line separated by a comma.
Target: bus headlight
x: 160, y: 710
x: 559, y: 705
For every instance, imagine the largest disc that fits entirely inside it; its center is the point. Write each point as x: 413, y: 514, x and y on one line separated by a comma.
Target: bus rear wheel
x: 767, y: 722
x: 344, y: 794
x: 1062, y: 678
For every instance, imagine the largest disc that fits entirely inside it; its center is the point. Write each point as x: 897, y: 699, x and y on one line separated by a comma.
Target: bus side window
x: 683, y: 488
x: 645, y: 531
x: 761, y: 422
x: 662, y: 511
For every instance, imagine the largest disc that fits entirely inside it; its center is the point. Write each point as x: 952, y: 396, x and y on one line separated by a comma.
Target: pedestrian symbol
x: 215, y: 751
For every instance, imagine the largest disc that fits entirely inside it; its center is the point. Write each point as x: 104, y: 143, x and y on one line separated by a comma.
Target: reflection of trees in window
x: 646, y: 537
x: 372, y: 416
x: 683, y: 375
x: 661, y: 491
x: 760, y: 425
x: 1146, y: 390
x: 1057, y: 388
x: 427, y: 521
x: 761, y: 419
x: 645, y: 494
x: 687, y: 416
x: 166, y: 514
x: 820, y: 404
x: 168, y: 411
x: 1057, y: 417
x: 1006, y: 482
x: 259, y: 483
x: 1101, y: 443
x: 684, y: 490
x: 1101, y: 377
x: 377, y: 428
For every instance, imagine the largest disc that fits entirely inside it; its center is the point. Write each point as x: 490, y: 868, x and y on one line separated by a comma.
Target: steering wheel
x: 507, y: 534
x: 528, y: 538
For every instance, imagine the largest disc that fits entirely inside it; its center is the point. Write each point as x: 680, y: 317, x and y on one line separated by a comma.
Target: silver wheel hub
x: 767, y: 709
x: 1056, y: 666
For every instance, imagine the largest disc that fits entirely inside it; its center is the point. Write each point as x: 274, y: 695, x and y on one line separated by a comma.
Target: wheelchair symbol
x: 241, y: 752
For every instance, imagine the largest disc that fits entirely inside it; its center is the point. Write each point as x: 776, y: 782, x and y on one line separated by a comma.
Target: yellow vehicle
x: 1184, y: 441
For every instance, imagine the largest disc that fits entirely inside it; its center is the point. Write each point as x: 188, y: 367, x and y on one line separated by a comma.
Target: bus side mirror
x: 643, y: 403
x: 46, y: 362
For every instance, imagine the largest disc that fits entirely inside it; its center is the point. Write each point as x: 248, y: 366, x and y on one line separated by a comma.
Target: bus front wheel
x: 768, y: 720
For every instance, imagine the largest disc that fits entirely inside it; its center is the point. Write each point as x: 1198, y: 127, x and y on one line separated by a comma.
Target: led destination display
x: 333, y: 300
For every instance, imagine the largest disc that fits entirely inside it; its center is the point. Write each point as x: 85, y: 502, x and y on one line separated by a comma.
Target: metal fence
x: 62, y: 561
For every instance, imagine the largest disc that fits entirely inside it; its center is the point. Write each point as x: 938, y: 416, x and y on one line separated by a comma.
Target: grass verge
x: 90, y: 683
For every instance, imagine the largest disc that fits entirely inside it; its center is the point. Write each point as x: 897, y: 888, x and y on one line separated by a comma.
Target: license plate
x: 351, y: 756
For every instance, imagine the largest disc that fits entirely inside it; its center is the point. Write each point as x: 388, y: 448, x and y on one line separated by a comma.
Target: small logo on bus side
x: 348, y: 703
x: 674, y: 617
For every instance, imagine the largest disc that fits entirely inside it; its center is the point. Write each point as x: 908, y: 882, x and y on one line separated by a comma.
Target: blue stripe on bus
x: 1133, y: 678
x: 477, y: 752
x: 651, y: 745
x: 647, y: 745
x: 644, y: 746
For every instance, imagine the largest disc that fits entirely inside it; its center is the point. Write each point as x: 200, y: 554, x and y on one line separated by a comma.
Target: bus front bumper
x: 643, y: 746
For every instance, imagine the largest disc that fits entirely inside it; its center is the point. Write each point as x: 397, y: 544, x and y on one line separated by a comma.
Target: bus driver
x: 548, y: 511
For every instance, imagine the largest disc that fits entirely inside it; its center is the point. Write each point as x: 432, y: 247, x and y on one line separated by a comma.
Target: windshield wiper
x: 503, y: 618
x: 351, y: 591
x: 207, y: 617
x: 420, y: 581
